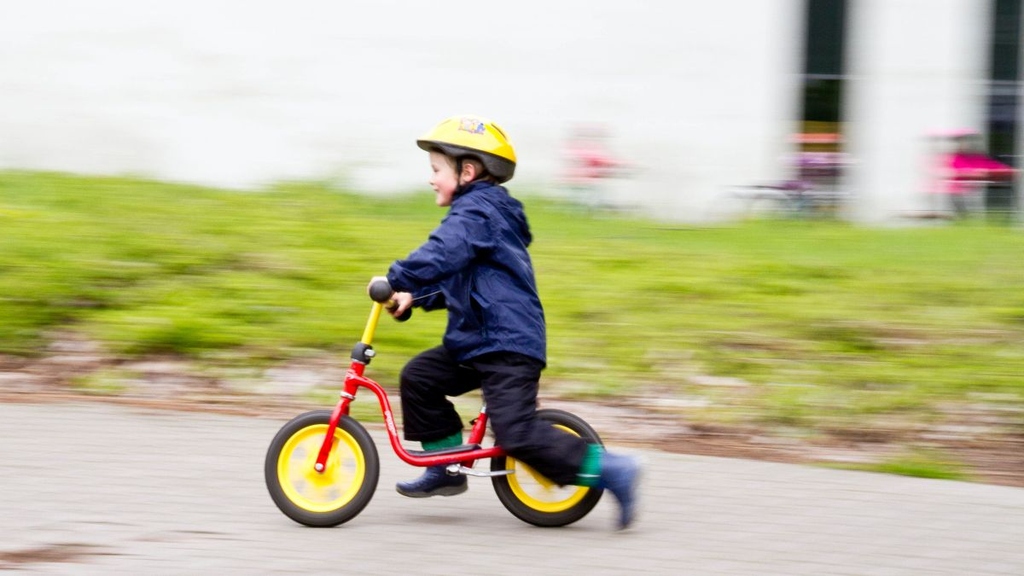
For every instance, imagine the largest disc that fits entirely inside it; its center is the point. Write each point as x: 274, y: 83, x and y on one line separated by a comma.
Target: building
x: 702, y: 98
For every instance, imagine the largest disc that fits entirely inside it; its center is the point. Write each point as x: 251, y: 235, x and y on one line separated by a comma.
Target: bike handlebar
x: 380, y: 291
x: 404, y: 316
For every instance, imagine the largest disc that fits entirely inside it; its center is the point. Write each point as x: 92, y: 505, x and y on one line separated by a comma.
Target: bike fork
x: 347, y: 396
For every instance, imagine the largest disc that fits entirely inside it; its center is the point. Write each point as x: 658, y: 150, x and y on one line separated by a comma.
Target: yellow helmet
x: 479, y: 138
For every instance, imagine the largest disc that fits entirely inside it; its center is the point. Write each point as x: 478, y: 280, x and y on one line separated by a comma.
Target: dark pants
x: 509, y: 383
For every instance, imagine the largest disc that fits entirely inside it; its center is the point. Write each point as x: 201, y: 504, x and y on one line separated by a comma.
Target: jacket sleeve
x: 429, y: 298
x: 462, y: 236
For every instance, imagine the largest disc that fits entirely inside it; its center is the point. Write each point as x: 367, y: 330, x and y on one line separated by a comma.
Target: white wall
x: 915, y: 66
x: 234, y: 93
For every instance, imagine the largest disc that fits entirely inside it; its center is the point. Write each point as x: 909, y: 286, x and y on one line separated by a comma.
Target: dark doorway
x: 1003, y: 99
x: 820, y: 161
x: 824, y: 41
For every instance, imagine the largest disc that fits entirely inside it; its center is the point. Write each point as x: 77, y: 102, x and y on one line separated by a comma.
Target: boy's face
x: 443, y: 179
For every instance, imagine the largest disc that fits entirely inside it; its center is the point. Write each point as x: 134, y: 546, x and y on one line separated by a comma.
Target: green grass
x: 107, y: 382
x: 918, y: 463
x: 829, y: 325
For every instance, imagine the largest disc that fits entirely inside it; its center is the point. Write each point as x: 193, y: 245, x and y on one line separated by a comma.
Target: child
x: 475, y: 264
x: 966, y: 170
x: 589, y: 162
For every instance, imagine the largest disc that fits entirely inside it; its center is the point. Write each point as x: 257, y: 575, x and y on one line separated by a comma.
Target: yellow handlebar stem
x: 371, y: 323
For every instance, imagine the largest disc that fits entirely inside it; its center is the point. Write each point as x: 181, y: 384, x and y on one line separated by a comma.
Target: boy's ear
x: 468, y: 173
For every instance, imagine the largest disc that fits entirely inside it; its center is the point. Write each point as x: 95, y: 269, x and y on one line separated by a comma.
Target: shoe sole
x: 442, y: 491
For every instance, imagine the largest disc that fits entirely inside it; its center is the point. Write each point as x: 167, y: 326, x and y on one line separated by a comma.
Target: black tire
x: 522, y: 491
x: 342, y: 490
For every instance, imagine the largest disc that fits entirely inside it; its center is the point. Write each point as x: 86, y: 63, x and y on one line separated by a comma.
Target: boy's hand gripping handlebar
x: 380, y: 291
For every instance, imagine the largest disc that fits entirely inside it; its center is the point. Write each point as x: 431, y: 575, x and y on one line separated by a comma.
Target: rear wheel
x: 533, y: 498
x: 326, y: 498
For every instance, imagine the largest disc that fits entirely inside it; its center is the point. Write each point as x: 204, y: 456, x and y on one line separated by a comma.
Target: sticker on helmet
x: 472, y: 125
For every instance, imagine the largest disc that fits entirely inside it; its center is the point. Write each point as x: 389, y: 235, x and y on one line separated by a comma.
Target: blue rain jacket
x: 476, y: 265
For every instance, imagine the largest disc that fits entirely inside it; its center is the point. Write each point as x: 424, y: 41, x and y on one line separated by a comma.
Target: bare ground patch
x: 49, y: 553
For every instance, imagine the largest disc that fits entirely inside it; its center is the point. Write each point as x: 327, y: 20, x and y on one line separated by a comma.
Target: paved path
x: 100, y: 489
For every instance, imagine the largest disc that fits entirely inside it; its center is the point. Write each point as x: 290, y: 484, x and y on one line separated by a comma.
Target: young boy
x: 475, y: 264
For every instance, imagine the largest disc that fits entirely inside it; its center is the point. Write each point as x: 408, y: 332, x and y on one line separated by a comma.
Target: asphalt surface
x: 102, y: 489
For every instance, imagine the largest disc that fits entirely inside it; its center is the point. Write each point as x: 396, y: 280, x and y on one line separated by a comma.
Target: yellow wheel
x: 341, y: 490
x: 533, y: 498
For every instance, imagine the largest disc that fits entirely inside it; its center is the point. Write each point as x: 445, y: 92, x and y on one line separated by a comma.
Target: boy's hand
x: 396, y: 304
x: 401, y: 301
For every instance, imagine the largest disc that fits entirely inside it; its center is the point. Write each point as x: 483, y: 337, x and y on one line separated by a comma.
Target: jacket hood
x: 509, y: 207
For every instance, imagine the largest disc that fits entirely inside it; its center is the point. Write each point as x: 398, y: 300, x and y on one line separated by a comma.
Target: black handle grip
x: 405, y: 315
x: 380, y: 291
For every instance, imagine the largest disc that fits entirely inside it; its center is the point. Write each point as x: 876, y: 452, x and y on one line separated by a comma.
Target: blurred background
x: 193, y: 194
x: 712, y: 104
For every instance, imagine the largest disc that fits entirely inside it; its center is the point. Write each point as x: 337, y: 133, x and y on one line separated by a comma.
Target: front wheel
x: 533, y: 498
x: 326, y: 498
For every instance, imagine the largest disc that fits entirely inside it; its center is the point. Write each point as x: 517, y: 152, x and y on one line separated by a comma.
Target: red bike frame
x: 354, y: 379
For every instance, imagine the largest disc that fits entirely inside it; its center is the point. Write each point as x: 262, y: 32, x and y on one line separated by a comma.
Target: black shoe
x: 434, y: 482
x: 621, y: 475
